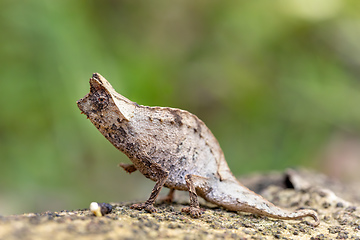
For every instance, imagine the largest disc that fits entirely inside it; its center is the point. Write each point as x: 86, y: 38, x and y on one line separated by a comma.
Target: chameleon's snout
x: 80, y: 105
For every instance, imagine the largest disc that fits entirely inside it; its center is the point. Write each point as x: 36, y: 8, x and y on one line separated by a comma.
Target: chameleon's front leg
x: 128, y: 167
x: 149, y: 204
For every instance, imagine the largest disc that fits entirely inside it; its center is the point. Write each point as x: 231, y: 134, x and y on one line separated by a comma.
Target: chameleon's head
x: 102, y: 105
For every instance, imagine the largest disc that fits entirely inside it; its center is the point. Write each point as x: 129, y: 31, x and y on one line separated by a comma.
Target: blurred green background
x: 276, y: 82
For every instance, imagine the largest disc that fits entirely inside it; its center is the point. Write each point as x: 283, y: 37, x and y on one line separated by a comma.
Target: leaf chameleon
x: 175, y: 149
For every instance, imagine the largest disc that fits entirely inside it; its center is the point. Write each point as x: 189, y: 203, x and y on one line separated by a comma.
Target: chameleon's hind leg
x: 170, y: 197
x: 193, y: 181
x: 162, y: 175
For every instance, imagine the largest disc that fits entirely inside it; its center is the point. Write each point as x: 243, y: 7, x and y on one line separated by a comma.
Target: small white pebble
x: 95, y: 209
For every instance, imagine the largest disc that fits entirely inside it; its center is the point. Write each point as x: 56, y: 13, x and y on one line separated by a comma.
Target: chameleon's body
x: 175, y: 149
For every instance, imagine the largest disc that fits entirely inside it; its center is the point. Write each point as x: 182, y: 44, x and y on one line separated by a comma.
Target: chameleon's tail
x: 233, y: 196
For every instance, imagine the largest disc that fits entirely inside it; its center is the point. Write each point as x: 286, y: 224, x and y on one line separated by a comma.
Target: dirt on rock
x: 338, y: 206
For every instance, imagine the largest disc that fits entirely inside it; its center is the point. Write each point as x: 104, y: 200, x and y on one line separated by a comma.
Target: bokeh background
x: 276, y: 81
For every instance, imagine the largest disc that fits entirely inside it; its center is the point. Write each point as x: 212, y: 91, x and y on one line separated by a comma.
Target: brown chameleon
x: 175, y: 149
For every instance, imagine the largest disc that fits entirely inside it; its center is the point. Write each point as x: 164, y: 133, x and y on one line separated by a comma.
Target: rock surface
x: 337, y: 204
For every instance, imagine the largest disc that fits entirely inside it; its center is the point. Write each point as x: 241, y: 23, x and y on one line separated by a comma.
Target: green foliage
x: 272, y: 79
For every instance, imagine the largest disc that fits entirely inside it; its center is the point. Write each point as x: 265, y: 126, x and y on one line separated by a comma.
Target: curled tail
x: 231, y: 195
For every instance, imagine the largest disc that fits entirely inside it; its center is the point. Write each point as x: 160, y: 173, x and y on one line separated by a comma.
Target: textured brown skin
x: 175, y: 149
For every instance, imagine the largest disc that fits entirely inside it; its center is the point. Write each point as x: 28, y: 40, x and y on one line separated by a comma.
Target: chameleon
x: 175, y: 149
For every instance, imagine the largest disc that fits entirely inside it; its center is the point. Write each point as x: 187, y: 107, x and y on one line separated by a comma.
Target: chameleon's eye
x: 102, y: 101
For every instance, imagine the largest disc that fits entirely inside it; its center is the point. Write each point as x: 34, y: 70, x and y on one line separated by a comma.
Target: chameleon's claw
x: 147, y: 207
x: 193, y: 211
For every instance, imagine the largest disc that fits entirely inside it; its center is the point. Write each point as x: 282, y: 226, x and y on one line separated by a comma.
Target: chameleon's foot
x: 194, y: 212
x: 147, y: 207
